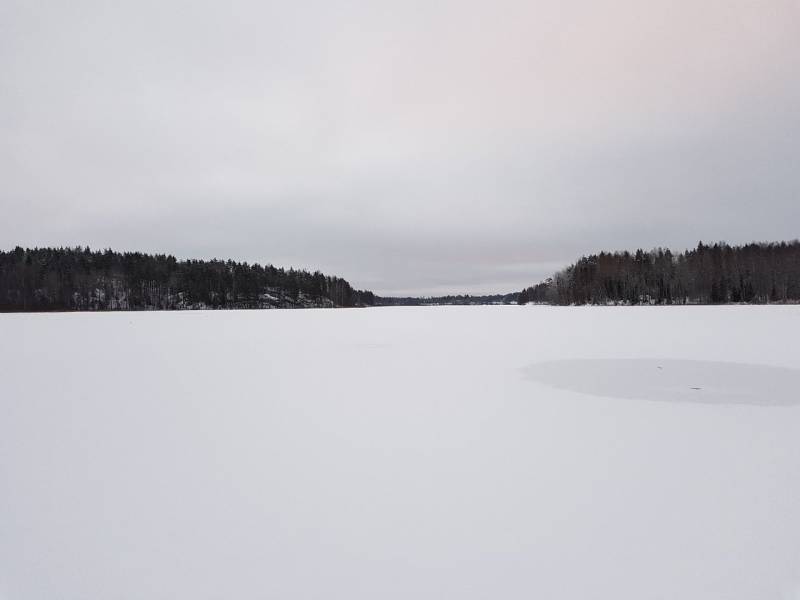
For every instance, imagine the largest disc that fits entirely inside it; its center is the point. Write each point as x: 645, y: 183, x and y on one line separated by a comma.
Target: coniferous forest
x: 61, y: 279
x: 757, y: 273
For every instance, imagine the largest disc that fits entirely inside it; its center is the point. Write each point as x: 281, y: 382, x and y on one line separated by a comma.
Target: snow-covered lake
x: 402, y: 453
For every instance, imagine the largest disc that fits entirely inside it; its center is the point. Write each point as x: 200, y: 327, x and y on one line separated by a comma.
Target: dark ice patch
x: 668, y: 380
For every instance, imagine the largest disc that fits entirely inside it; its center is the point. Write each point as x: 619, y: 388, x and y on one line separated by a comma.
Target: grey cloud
x: 410, y: 147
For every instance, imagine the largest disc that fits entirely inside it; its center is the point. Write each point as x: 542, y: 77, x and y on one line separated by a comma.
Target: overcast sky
x: 410, y: 147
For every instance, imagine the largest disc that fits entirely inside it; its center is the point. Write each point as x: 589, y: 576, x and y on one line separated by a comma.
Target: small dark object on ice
x: 696, y: 388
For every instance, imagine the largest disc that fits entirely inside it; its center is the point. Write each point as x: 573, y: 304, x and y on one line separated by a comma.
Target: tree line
x: 44, y: 279
x: 457, y: 300
x: 757, y: 273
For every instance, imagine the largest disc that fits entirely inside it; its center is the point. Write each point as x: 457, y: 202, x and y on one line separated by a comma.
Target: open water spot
x: 668, y: 380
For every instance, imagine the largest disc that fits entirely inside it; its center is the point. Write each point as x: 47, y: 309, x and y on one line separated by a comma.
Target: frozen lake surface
x: 402, y: 453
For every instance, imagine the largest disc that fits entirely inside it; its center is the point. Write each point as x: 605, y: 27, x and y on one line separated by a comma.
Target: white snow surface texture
x: 402, y: 453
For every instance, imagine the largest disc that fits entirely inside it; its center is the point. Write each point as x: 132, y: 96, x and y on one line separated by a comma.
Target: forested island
x: 65, y: 279
x: 450, y: 300
x: 757, y: 273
